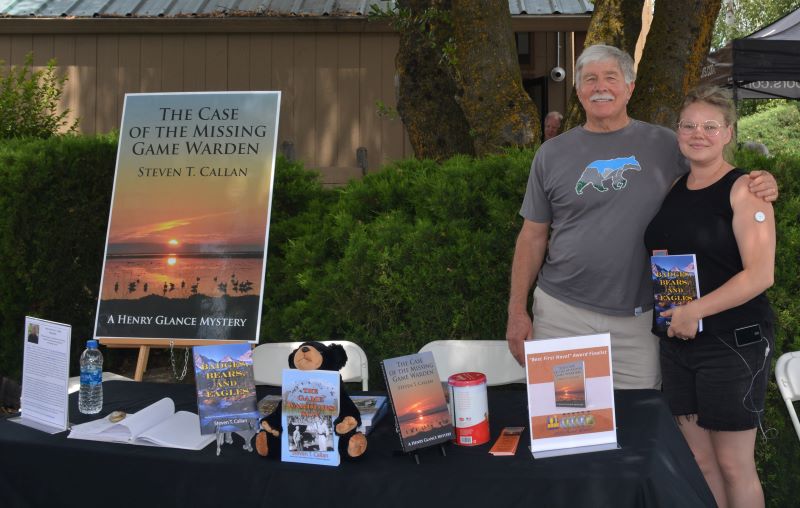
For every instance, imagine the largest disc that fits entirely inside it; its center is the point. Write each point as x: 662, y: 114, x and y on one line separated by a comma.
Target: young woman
x: 715, y: 381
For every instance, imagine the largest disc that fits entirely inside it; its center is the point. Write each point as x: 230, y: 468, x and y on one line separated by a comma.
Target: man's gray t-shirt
x: 599, y: 192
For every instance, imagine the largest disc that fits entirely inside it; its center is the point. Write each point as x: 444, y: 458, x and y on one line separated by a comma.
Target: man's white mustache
x: 601, y: 97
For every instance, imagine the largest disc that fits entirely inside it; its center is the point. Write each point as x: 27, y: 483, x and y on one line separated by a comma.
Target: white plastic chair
x: 787, y: 374
x: 491, y: 357
x: 74, y: 383
x: 271, y: 358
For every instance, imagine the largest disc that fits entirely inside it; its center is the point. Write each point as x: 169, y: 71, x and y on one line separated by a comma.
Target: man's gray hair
x: 600, y: 52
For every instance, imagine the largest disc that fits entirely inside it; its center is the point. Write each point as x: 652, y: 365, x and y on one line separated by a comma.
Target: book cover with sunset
x: 226, y: 390
x: 569, y: 384
x: 421, y: 415
x: 187, y: 237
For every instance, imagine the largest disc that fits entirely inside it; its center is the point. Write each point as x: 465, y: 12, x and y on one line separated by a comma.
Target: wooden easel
x: 144, y: 346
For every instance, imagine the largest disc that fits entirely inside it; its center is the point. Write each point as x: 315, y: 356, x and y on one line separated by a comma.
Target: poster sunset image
x: 188, y: 229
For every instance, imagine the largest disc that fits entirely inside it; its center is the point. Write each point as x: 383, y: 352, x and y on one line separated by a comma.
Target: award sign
x: 570, y: 395
x: 186, y: 248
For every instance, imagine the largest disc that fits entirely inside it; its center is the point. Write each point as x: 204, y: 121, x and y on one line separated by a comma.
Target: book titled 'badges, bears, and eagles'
x: 418, y: 401
x: 675, y: 283
x: 226, y: 391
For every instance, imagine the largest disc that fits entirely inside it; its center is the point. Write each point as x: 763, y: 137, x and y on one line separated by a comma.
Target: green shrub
x: 299, y: 203
x: 29, y: 102
x: 54, y: 202
x: 777, y: 456
x: 417, y: 252
x: 778, y: 128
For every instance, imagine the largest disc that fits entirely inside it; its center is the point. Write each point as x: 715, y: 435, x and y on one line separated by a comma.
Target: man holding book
x: 591, y: 193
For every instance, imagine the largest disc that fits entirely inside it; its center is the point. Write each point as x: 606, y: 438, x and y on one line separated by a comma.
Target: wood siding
x: 330, y: 83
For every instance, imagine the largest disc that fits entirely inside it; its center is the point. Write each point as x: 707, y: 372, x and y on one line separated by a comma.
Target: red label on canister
x: 469, y: 408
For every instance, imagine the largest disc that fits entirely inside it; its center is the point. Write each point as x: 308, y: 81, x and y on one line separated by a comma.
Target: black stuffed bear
x: 318, y: 356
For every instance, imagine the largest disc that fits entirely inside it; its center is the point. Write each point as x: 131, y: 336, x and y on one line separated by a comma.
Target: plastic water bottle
x: 90, y: 397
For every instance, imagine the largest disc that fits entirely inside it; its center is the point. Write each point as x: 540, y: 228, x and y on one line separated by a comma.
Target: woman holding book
x: 715, y: 381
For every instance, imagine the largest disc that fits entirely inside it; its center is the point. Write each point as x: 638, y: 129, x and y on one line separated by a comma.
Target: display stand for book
x: 227, y: 438
x: 415, y: 453
x: 144, y: 346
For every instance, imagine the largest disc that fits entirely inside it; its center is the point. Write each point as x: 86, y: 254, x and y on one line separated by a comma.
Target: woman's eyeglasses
x: 709, y: 127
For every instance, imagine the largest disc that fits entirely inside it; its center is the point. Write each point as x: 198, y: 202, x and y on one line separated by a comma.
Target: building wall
x: 330, y: 83
x: 331, y: 76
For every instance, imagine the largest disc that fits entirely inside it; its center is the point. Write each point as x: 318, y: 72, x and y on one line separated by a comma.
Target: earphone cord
x: 752, y: 407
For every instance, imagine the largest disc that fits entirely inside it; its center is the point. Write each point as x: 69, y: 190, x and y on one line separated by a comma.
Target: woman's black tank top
x: 700, y: 222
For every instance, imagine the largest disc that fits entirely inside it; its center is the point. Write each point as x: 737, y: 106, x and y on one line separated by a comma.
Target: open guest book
x: 156, y: 425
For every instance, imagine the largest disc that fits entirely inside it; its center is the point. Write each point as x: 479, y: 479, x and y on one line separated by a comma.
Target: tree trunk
x: 676, y: 48
x: 616, y: 23
x: 436, y: 126
x: 498, y: 110
x: 460, y: 87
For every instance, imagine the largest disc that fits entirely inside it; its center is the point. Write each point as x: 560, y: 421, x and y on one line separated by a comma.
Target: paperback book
x: 268, y: 404
x: 310, y: 405
x: 371, y: 408
x: 156, y: 425
x: 675, y: 283
x: 507, y: 443
x: 421, y: 415
x: 226, y: 390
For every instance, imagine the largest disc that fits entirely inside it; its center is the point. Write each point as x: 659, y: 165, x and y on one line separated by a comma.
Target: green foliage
x: 777, y: 456
x: 29, y: 102
x: 740, y: 18
x: 433, y: 24
x: 54, y: 202
x: 299, y: 204
x: 777, y: 127
x: 417, y: 252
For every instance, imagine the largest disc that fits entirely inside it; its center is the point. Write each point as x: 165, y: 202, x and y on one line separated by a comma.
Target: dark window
x: 523, y: 47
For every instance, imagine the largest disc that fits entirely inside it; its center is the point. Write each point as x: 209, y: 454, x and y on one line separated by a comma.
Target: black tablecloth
x: 654, y: 466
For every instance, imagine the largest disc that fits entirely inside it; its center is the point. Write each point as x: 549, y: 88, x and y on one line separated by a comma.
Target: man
x: 552, y: 124
x: 593, y: 190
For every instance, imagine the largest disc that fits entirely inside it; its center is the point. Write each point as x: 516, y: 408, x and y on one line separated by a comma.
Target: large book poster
x: 187, y: 236
x: 226, y: 390
x: 675, y: 283
x: 418, y: 401
x: 570, y: 395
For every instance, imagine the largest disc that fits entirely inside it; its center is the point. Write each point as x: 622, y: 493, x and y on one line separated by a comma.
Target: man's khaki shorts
x: 634, y: 349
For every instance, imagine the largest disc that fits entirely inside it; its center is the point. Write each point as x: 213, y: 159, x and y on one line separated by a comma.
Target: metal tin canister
x: 469, y: 408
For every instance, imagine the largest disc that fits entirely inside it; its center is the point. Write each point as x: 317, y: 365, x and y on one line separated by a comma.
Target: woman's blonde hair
x: 713, y: 96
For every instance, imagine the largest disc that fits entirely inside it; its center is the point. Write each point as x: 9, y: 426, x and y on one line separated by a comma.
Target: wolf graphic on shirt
x: 599, y: 171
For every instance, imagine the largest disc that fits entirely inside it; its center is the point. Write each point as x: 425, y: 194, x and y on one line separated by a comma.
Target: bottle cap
x: 91, y: 344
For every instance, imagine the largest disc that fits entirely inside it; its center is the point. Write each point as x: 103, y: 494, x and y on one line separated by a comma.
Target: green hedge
x: 777, y: 455
x: 54, y: 202
x: 778, y: 128
x: 417, y: 252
